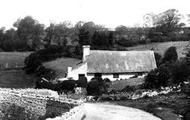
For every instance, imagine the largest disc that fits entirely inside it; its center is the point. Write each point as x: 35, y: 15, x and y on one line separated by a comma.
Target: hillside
x: 12, y: 59
x: 162, y: 47
x: 10, y: 76
x: 60, y: 65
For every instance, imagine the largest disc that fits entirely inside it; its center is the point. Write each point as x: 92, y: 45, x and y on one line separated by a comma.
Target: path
x: 114, y: 112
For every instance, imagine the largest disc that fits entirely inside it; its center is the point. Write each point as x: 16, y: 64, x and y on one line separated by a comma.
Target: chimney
x: 69, y: 69
x: 86, y: 52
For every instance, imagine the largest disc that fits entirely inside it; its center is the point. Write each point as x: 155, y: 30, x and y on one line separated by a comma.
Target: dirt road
x: 114, y: 112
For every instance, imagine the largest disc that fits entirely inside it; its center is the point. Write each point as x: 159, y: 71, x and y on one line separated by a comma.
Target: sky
x: 110, y: 13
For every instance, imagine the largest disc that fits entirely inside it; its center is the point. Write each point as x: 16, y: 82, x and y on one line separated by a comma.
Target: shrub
x: 93, y: 87
x: 33, y: 63
x: 158, y: 77
x: 170, y: 55
x: 180, y: 71
x: 82, y: 82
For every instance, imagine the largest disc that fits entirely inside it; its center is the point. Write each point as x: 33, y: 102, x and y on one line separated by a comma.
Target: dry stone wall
x: 77, y: 113
x: 36, y: 104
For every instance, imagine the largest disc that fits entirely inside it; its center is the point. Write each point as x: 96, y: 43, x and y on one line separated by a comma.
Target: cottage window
x: 115, y: 75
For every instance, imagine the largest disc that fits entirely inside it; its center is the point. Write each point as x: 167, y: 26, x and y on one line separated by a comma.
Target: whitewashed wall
x: 110, y: 76
x: 80, y: 70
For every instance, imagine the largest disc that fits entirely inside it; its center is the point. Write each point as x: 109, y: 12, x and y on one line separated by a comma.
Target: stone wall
x: 77, y: 113
x: 37, y: 105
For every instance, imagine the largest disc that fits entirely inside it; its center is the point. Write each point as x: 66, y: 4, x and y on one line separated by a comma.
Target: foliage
x: 180, y: 71
x: 82, y: 82
x: 98, y: 86
x: 126, y: 36
x: 64, y: 86
x: 33, y: 63
x: 30, y: 35
x: 170, y: 55
x: 170, y: 72
x: 102, y: 38
x: 168, y: 22
x: 58, y: 33
x: 158, y: 77
x: 167, y: 27
x: 30, y: 32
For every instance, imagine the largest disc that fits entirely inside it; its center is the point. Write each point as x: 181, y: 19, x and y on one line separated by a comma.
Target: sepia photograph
x: 94, y: 60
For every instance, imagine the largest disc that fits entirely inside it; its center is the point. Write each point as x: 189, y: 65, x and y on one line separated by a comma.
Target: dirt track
x: 114, y: 112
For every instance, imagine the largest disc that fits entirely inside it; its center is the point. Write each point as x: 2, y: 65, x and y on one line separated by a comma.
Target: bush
x: 33, y: 63
x: 93, y: 87
x: 180, y: 71
x: 98, y: 86
x: 82, y: 82
x: 158, y: 77
x: 170, y: 55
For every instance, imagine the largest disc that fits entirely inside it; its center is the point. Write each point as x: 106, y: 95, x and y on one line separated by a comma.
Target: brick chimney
x: 86, y: 52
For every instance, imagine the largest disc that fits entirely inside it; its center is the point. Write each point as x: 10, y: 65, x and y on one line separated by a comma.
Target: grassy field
x: 13, y: 78
x: 162, y: 47
x: 12, y: 59
x: 60, y: 65
x: 16, y: 79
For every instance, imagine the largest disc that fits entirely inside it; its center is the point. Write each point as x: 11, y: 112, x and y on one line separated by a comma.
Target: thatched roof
x: 100, y: 61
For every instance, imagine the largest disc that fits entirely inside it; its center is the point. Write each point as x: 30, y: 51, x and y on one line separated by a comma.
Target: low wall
x: 40, y: 105
x: 77, y: 113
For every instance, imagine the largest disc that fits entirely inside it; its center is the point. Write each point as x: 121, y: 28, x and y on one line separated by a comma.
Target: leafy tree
x: 121, y: 29
x: 57, y: 34
x: 86, y: 30
x: 168, y: 21
x: 130, y: 36
x: 167, y: 26
x: 102, y: 39
x: 2, y: 30
x: 30, y: 32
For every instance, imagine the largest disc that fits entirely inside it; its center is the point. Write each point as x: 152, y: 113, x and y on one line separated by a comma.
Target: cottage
x: 113, y: 64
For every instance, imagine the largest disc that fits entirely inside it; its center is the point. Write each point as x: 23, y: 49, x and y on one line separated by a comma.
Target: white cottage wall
x: 79, y: 70
x: 110, y: 76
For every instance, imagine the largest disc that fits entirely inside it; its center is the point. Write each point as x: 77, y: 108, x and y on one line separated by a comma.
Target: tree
x: 102, y: 39
x: 30, y: 32
x: 170, y: 55
x: 2, y: 30
x: 86, y: 30
x: 167, y: 26
x: 168, y: 21
x: 58, y: 33
x: 129, y: 36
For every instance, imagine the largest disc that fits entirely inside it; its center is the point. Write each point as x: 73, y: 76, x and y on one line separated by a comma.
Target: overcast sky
x: 110, y: 13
